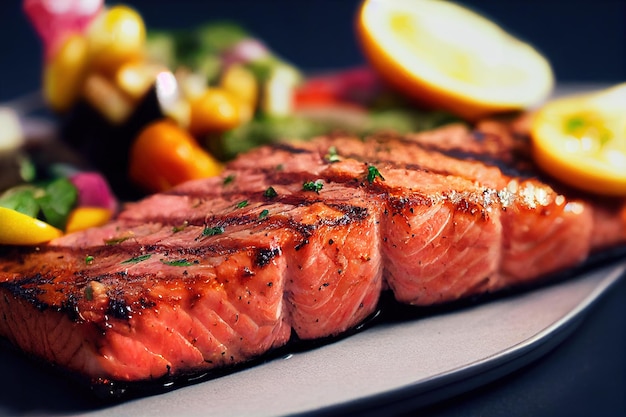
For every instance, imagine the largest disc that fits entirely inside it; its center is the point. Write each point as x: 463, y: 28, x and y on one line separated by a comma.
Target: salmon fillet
x: 296, y: 240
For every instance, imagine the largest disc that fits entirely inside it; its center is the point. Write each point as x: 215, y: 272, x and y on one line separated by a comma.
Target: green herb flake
x: 177, y: 262
x: 270, y: 193
x: 313, y: 186
x: 89, y: 259
x: 264, y: 214
x: 212, y: 231
x: 137, y: 259
x: 89, y: 292
x: 242, y: 204
x: 116, y: 240
x: 373, y: 173
x: 280, y: 167
x: 229, y: 179
x: 332, y: 155
x: 180, y: 228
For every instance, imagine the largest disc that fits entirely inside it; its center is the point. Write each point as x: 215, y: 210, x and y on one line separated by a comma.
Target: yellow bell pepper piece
x: 20, y: 229
x: 85, y: 217
x: 241, y: 82
x: 116, y: 36
x: 216, y: 110
x: 63, y: 75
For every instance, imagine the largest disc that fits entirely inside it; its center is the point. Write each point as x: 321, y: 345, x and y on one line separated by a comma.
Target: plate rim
x: 465, y: 378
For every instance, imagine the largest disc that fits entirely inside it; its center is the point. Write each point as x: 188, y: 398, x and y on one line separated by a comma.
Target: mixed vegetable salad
x: 148, y: 109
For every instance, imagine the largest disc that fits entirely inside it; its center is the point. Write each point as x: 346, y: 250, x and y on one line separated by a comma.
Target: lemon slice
x: 451, y: 58
x: 581, y: 140
x: 20, y: 229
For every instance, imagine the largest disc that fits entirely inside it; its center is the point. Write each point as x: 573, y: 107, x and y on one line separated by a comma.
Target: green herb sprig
x: 270, y: 192
x: 373, y: 173
x: 315, y: 186
x: 137, y: 259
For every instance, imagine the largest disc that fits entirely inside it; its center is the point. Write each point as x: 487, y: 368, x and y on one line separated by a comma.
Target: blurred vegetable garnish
x: 164, y: 155
x: 21, y: 229
x: 130, y: 96
x: 44, y: 205
x: 51, y: 202
x: 109, y: 77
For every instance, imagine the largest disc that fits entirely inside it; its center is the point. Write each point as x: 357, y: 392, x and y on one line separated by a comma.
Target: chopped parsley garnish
x: 89, y: 260
x: 116, y: 240
x: 242, y: 204
x: 212, y: 231
x: 313, y: 186
x: 89, y: 292
x: 228, y: 179
x: 180, y: 228
x: 270, y: 192
x: 373, y: 173
x: 177, y: 262
x: 332, y: 155
x: 137, y: 259
x: 280, y: 167
x: 264, y: 214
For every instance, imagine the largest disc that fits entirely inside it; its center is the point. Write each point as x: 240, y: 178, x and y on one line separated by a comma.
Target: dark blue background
x: 584, y: 39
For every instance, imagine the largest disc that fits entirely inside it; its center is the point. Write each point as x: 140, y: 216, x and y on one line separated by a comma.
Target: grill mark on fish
x: 488, y: 160
x: 265, y: 256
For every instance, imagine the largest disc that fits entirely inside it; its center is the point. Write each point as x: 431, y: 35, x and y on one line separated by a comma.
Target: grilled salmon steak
x: 296, y: 240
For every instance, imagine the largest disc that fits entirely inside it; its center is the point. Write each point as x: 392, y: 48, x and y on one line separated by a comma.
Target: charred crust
x: 28, y: 289
x: 352, y: 213
x: 400, y: 204
x: 145, y: 303
x: 287, y: 147
x: 70, y: 306
x: 118, y: 308
x: 264, y: 256
x: 301, y: 244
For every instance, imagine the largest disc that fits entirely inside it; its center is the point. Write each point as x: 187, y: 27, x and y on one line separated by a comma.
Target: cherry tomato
x: 164, y: 155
